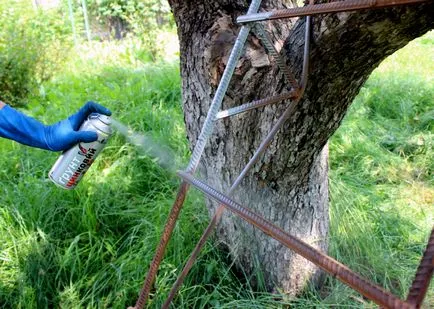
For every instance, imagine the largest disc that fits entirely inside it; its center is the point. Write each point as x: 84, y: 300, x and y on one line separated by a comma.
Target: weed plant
x: 91, y: 247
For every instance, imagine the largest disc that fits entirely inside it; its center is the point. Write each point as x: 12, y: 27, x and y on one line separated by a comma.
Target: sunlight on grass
x: 382, y: 164
x: 416, y: 58
x: 129, y: 53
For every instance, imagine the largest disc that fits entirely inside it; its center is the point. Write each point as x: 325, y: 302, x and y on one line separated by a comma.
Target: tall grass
x: 91, y: 247
x: 382, y: 164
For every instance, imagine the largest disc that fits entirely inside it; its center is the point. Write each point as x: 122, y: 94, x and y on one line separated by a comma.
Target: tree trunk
x: 117, y: 26
x: 289, y: 186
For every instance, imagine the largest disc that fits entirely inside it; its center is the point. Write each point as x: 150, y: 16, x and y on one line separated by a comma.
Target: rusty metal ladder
x: 251, y: 22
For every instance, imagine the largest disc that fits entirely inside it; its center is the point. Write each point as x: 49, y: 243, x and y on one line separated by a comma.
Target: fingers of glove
x: 60, y: 142
x: 89, y: 108
x: 84, y: 136
x: 92, y: 107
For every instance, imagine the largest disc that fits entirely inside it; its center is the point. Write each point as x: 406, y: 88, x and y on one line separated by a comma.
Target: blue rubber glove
x: 59, y: 136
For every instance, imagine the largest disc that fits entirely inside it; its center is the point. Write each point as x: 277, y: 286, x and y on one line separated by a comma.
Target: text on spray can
x: 74, y: 162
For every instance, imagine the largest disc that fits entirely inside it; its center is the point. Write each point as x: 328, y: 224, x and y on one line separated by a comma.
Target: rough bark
x: 289, y: 185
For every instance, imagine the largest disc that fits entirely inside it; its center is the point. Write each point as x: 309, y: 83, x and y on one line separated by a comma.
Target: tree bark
x: 289, y: 186
x: 117, y: 26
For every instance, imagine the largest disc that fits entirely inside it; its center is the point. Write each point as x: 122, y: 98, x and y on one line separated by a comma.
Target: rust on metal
x: 168, y: 229
x: 265, y: 38
x: 343, y: 273
x: 217, y: 216
x: 288, y: 112
x: 423, y: 275
x: 322, y: 8
x: 196, y: 154
x: 330, y: 265
x: 193, y: 257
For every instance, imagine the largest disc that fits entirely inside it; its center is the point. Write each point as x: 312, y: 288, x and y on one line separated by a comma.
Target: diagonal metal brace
x: 204, y: 135
x: 266, y: 40
x: 330, y: 265
x: 423, y: 274
x: 264, y: 144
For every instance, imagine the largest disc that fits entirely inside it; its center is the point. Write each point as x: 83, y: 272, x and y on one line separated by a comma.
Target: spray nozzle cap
x: 101, y: 122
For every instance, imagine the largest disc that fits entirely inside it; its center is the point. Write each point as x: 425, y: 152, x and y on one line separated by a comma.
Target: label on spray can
x: 74, y: 162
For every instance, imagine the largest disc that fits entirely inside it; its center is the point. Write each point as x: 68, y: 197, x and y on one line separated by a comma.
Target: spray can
x: 74, y: 162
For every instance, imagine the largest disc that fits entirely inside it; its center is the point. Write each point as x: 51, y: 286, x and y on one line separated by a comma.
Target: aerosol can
x: 74, y: 162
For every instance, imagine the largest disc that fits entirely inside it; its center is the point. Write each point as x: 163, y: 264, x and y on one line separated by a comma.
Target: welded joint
x: 254, y: 17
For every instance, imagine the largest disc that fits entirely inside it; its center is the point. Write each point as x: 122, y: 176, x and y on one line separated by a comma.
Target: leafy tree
x: 142, y: 17
x: 32, y: 47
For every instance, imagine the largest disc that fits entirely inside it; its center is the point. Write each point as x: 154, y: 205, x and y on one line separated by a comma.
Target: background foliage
x: 140, y: 15
x: 143, y: 19
x: 32, y: 48
x: 35, y: 42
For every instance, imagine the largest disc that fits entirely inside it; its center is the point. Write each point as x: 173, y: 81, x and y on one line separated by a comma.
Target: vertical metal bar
x: 168, y: 229
x: 305, y: 70
x: 266, y: 142
x: 423, y: 275
x: 86, y: 20
x: 268, y: 44
x: 197, y: 153
x: 217, y: 216
x: 336, y: 269
x: 208, y: 126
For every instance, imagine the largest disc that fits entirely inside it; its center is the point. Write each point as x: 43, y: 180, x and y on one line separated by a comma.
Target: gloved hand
x: 59, y: 136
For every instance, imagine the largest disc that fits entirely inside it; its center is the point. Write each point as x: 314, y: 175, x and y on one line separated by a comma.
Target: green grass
x: 91, y: 247
x: 382, y: 163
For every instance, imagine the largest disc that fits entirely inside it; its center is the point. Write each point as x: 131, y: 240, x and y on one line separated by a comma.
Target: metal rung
x: 256, y: 104
x: 331, y: 7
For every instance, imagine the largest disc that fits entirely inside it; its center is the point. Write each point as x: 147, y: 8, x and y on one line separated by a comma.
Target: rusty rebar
x: 256, y: 104
x: 260, y: 32
x: 330, y: 7
x: 330, y: 265
x: 196, y: 155
x: 288, y: 112
x: 217, y: 216
x: 192, y: 259
x: 207, y: 128
x: 168, y: 229
x: 423, y: 275
x: 217, y: 100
